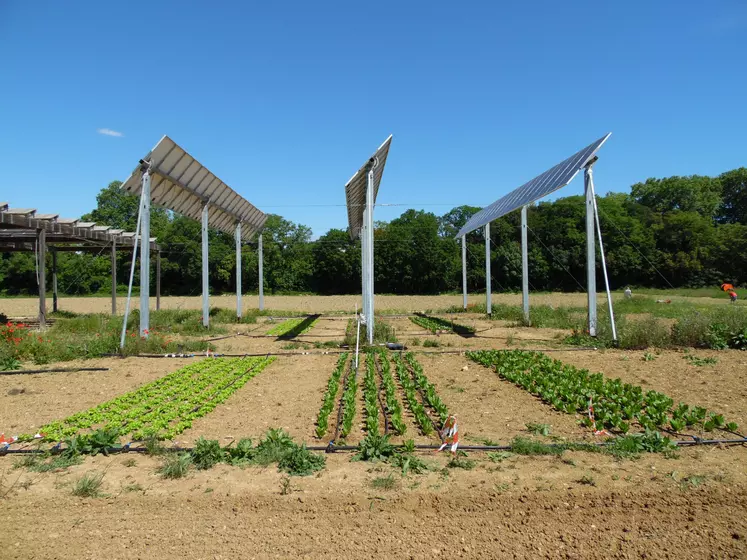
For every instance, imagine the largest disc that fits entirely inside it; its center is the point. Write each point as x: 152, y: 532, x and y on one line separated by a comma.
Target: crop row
x: 348, y: 402
x: 616, y: 404
x: 294, y: 327
x: 393, y: 407
x: 371, y: 395
x: 328, y: 401
x: 428, y: 390
x: 410, y: 390
x: 436, y: 324
x: 166, y: 407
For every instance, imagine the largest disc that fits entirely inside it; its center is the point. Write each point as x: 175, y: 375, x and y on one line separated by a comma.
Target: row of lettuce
x: 617, y: 406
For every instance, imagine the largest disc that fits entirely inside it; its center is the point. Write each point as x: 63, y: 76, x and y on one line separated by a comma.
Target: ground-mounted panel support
x: 261, y: 259
x: 591, y: 272
x: 41, y: 242
x: 370, y: 252
x: 464, y: 272
x: 54, y: 281
x: 524, y: 266
x: 205, y: 270
x: 238, y: 271
x: 488, y: 275
x: 114, y: 276
x: 158, y: 280
x: 145, y: 256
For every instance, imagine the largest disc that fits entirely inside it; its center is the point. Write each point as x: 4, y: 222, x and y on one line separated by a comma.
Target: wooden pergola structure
x: 23, y: 229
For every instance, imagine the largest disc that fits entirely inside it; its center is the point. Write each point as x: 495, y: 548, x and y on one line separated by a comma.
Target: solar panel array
x: 180, y: 183
x: 355, y: 188
x: 542, y: 185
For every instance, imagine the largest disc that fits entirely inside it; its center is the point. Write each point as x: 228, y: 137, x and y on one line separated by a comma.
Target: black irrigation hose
x: 52, y: 370
x: 331, y: 448
x: 377, y: 366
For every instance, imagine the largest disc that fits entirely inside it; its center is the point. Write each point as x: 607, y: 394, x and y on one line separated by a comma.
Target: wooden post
x: 41, y: 239
x: 158, y: 280
x: 54, y: 281
x: 114, y: 277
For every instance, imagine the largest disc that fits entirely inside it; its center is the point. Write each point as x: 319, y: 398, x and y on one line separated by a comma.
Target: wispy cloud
x: 109, y: 132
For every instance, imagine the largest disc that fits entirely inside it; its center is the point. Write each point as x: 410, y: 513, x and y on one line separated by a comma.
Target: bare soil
x: 579, y: 505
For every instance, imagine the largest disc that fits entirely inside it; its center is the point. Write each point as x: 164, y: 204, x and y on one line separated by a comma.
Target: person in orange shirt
x: 733, y: 296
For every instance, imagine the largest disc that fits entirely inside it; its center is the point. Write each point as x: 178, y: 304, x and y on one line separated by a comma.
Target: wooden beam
x: 114, y: 277
x: 42, y: 255
x: 54, y: 281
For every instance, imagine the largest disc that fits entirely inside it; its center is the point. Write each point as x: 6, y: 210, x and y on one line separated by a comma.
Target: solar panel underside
x: 542, y: 185
x: 180, y: 183
x: 355, y: 188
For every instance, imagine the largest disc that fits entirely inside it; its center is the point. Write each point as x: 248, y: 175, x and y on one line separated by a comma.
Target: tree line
x: 679, y: 231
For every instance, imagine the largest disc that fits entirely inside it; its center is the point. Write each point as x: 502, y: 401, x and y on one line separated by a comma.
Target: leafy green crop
x: 616, y: 404
x: 370, y: 395
x: 293, y: 327
x: 427, y: 388
x: 328, y: 402
x: 348, y: 402
x: 435, y: 325
x: 393, y: 408
x: 409, y: 389
x: 165, y: 407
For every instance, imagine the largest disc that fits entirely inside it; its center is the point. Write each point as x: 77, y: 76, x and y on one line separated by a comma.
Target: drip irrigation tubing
x: 52, y: 370
x: 331, y: 448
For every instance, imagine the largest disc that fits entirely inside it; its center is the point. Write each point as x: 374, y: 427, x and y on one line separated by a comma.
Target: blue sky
x: 285, y: 100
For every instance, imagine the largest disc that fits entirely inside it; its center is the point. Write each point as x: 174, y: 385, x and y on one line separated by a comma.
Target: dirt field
x: 28, y: 307
x: 579, y: 505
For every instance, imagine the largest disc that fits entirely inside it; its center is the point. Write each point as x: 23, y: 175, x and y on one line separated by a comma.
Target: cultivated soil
x: 577, y: 505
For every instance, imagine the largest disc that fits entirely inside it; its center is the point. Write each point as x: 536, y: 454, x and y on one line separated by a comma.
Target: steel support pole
x: 114, y: 277
x: 488, y: 289
x: 370, y: 249
x: 604, y: 264
x: 464, y: 271
x: 54, y: 281
x: 591, y: 277
x: 158, y: 280
x: 524, y: 266
x: 145, y: 257
x: 260, y: 257
x: 238, y: 271
x: 41, y: 240
x: 364, y: 266
x: 205, y: 270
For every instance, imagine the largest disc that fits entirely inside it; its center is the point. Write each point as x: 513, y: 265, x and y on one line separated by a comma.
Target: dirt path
x: 704, y: 523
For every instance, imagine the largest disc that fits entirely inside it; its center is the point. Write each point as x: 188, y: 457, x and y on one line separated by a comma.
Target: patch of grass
x: 153, y: 445
x: 175, y: 465
x: 526, y: 446
x: 129, y: 462
x: 415, y: 342
x: 499, y: 456
x: 700, y: 362
x: 46, y: 463
x: 587, y: 480
x: 692, y: 481
x: 89, y: 485
x: 134, y: 487
x: 286, y: 487
x: 431, y: 343
x: 384, y: 482
x: 299, y: 461
x: 461, y: 463
x: 538, y: 429
x: 206, y: 453
x: 648, y: 357
x: 383, y: 332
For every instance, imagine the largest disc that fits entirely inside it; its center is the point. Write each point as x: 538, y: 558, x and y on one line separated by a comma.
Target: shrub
x: 299, y: 461
x: 175, y: 465
x: 88, y: 485
x: 206, y: 453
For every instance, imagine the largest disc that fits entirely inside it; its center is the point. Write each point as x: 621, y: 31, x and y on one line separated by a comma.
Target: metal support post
x: 158, y: 280
x: 238, y: 271
x: 364, y: 266
x: 464, y: 271
x: 54, y: 281
x: 488, y: 290
x: 604, y: 263
x: 205, y: 270
x: 591, y: 277
x: 524, y: 266
x: 145, y: 256
x: 260, y: 256
x: 114, y: 277
x: 370, y: 249
x: 146, y: 175
x: 41, y: 240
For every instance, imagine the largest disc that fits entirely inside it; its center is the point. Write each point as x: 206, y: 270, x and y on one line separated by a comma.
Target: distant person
x: 726, y: 287
x: 733, y: 296
x: 628, y: 293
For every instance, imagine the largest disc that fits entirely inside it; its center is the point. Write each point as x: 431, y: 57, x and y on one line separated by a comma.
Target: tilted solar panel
x: 542, y: 185
x: 180, y: 183
x: 355, y: 188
